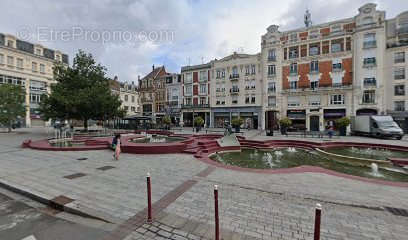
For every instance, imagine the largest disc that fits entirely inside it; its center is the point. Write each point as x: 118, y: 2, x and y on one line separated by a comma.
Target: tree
x: 12, y: 104
x: 82, y: 92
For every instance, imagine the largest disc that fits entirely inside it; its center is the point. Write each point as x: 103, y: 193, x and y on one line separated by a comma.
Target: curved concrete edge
x: 205, y: 157
x: 383, y: 162
x: 47, y: 200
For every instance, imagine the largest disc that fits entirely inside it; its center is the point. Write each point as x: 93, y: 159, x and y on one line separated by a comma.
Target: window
x: 223, y: 73
x: 369, y: 82
x: 42, y: 68
x: 10, y: 43
x: 133, y: 109
x: 369, y: 96
x: 189, y: 90
x: 271, y: 101
x: 188, y: 101
x: 12, y: 80
x: 133, y: 99
x: 203, y: 75
x: 399, y: 73
x: 10, y: 60
x: 247, y: 70
x: 189, y: 78
x: 314, y: 49
x: 293, y: 101
x: 126, y: 108
x: 314, y: 66
x: 293, y: 84
x: 314, y: 100
x: 253, y: 84
x: 293, y: 68
x: 203, y: 89
x: 293, y: 52
x: 20, y: 63
x: 272, y: 55
x: 38, y: 86
x: 218, y: 88
x: 314, y: 85
x: 34, y: 67
x: 38, y: 51
x: 337, y: 67
x: 1, y: 59
x: 234, y: 99
x: 247, y: 99
x: 218, y: 74
x: 234, y: 71
x: 335, y: 47
x: 203, y: 100
x: 369, y: 61
x: 126, y: 98
x: 271, y: 70
x: 399, y: 90
x: 337, y: 99
x: 234, y: 89
x: 369, y: 40
x: 399, y: 106
x: 35, y: 98
x: 399, y: 57
x: 271, y: 87
x: 253, y: 70
x: 253, y: 98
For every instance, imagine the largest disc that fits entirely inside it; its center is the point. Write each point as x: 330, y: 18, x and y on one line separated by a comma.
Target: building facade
x: 174, y: 97
x: 151, y: 103
x: 31, y: 66
x: 319, y: 73
x: 196, y: 94
x: 129, y: 96
x: 236, y: 91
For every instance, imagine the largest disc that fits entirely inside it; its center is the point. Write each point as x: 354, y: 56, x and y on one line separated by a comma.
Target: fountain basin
x: 289, y: 157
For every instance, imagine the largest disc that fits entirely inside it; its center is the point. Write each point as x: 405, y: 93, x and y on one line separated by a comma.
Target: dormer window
x: 10, y: 43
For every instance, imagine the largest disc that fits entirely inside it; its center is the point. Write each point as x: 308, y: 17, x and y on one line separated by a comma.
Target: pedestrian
x: 116, y: 146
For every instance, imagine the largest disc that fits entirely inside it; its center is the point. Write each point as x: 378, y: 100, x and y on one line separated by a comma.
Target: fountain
x: 291, y: 149
x: 374, y: 170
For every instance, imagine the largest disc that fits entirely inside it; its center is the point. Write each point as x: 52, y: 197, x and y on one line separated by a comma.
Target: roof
x: 195, y: 67
x: 155, y: 73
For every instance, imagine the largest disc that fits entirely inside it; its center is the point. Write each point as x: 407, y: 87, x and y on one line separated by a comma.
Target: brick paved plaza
x: 252, y: 205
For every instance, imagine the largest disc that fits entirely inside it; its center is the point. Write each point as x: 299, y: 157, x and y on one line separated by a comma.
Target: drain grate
x: 397, y: 211
x: 76, y: 175
x: 82, y: 159
x: 104, y: 168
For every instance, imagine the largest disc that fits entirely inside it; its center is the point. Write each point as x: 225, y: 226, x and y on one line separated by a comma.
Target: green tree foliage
x: 12, y: 104
x: 82, y: 92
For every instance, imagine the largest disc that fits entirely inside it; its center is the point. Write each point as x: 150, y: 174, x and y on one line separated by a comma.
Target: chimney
x: 153, y: 67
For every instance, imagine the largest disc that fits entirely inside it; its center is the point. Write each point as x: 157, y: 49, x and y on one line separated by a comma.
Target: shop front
x: 298, y: 117
x: 331, y: 115
x: 250, y: 115
x: 314, y: 117
x: 271, y: 120
x: 221, y: 119
x: 366, y: 112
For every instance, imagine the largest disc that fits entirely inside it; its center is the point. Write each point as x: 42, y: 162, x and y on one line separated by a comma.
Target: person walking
x: 116, y: 146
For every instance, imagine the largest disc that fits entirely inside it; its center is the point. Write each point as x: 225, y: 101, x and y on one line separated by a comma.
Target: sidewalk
x: 252, y: 206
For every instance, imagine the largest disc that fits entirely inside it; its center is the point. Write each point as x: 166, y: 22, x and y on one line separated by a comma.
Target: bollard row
x: 318, y: 211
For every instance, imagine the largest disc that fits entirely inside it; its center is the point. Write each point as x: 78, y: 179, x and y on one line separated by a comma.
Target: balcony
x: 234, y: 91
x: 195, y: 106
x: 370, y: 82
x: 369, y: 62
x: 202, y: 93
x: 234, y: 76
x: 370, y: 44
x: 271, y: 58
x: 293, y: 73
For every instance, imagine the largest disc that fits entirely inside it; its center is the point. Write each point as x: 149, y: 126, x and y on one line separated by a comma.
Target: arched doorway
x: 366, y: 112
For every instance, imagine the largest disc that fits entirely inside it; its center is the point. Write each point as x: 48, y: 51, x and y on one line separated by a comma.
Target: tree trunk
x: 9, y: 126
x: 86, y: 125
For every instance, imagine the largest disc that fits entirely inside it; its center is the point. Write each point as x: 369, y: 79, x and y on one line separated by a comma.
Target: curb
x: 50, y: 203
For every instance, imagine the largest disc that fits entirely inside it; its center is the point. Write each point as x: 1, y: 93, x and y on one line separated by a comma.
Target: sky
x: 129, y: 36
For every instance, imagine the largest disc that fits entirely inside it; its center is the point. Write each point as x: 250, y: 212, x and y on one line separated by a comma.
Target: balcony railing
x: 146, y: 99
x: 234, y: 90
x: 370, y: 83
x: 191, y: 106
x: 271, y: 58
x: 293, y: 73
x: 203, y: 79
x: 234, y: 76
x: 370, y: 44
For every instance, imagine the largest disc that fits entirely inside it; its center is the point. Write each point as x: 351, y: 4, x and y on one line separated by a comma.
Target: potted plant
x: 342, y: 124
x: 198, y: 122
x: 167, y: 121
x: 236, y: 123
x: 284, y: 124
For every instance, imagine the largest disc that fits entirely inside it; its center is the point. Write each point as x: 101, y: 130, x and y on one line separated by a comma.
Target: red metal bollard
x: 217, y: 222
x: 149, y: 199
x: 318, y: 217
